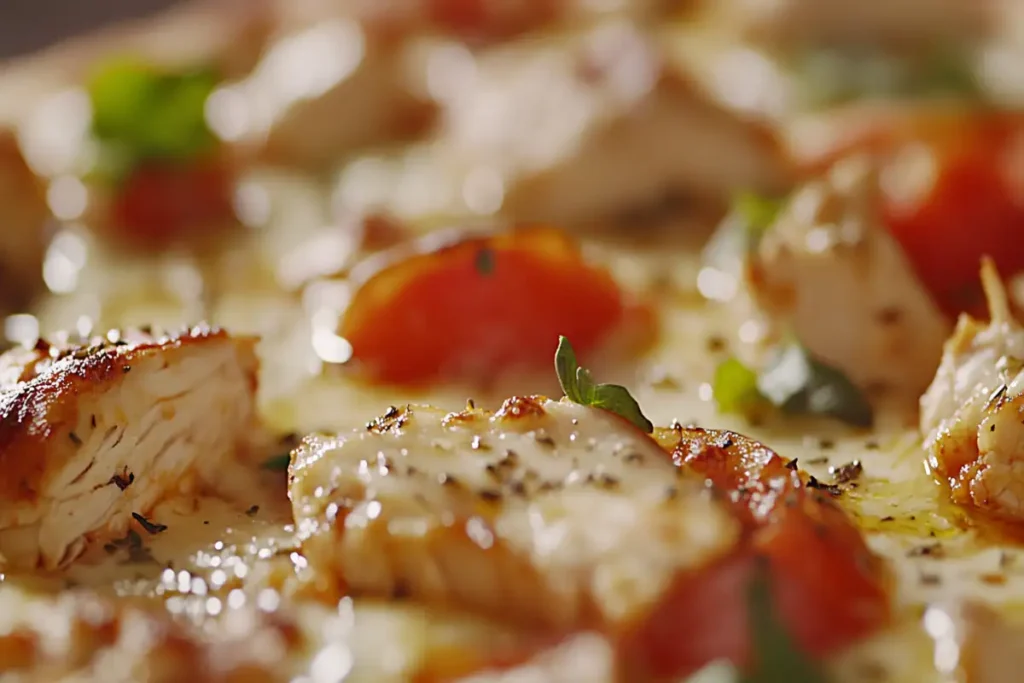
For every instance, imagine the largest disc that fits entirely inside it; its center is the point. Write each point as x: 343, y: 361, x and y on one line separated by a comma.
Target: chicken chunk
x: 546, y: 513
x: 575, y: 129
x: 319, y: 93
x: 23, y: 237
x: 970, y: 415
x: 829, y: 270
x: 95, y: 432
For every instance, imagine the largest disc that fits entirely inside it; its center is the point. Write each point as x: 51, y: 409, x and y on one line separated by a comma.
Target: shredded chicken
x: 829, y: 271
x: 970, y: 415
x: 91, y: 433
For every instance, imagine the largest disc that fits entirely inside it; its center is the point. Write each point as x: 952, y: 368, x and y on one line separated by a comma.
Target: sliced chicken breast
x: 94, y: 433
x: 970, y: 415
x: 23, y: 237
x: 545, y: 513
x: 829, y: 270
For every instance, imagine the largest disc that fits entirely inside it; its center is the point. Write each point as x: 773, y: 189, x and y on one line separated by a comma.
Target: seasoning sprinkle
x: 121, y: 481
x: 152, y: 528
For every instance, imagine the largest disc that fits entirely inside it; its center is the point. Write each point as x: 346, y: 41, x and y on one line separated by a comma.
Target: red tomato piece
x: 477, y: 305
x: 162, y: 204
x: 955, y: 190
x: 829, y: 589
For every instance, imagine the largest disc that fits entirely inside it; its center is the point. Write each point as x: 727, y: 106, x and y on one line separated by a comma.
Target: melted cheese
x: 539, y: 512
x: 936, y: 552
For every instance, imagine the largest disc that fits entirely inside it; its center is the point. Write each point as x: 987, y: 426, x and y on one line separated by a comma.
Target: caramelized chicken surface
x: 94, y: 432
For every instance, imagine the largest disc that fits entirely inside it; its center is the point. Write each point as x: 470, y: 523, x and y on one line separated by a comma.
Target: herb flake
x: 579, y: 387
x: 151, y: 528
x: 800, y: 384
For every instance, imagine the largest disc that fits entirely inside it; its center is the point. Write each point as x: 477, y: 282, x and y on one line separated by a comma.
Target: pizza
x: 456, y: 341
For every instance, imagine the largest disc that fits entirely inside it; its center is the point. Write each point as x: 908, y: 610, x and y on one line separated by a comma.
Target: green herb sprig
x: 141, y: 113
x: 794, y: 382
x: 579, y: 387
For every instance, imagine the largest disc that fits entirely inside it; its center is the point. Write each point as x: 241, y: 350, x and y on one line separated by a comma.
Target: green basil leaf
x: 734, y: 388
x: 278, y: 463
x: 800, y: 384
x: 579, y: 387
x: 140, y: 113
x: 567, y: 369
x: 777, y: 658
x: 617, y: 399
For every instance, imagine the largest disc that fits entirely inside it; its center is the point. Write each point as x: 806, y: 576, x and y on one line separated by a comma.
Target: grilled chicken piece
x: 895, y: 22
x: 970, y: 415
x: 321, y: 92
x: 552, y: 514
x: 828, y: 269
x: 545, y: 513
x: 575, y: 129
x: 91, y: 433
x: 23, y: 238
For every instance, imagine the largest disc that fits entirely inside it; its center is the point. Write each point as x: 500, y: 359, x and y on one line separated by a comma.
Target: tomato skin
x: 479, y: 305
x: 958, y: 195
x: 162, y: 204
x: 828, y: 588
x: 973, y: 208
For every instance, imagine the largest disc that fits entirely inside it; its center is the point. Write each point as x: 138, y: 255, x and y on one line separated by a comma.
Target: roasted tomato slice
x: 953, y: 191
x: 828, y: 587
x: 161, y: 204
x: 470, y: 306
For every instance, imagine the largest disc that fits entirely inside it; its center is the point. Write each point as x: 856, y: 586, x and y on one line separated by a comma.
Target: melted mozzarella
x: 543, y: 511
